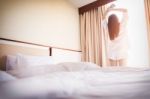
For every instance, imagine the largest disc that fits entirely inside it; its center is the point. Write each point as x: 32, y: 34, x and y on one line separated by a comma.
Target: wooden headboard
x: 11, y: 47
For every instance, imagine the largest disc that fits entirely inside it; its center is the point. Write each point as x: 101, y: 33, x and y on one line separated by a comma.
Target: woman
x: 117, y: 48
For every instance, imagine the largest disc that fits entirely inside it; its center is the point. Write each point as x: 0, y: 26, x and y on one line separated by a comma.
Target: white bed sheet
x: 4, y: 76
x: 96, y: 84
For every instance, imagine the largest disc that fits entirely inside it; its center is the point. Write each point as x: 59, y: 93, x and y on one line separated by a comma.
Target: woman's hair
x: 113, y: 26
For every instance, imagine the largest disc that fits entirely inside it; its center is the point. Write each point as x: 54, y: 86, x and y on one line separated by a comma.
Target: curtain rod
x: 93, y: 5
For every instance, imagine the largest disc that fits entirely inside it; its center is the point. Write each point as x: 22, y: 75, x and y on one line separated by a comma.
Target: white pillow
x: 39, y: 70
x: 28, y: 61
x: 5, y: 76
x: 11, y: 62
x: 79, y: 66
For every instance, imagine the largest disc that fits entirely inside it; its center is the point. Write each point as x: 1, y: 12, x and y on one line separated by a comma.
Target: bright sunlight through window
x: 137, y: 32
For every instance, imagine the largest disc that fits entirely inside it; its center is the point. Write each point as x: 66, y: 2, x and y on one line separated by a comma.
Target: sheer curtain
x: 147, y: 10
x: 93, y: 38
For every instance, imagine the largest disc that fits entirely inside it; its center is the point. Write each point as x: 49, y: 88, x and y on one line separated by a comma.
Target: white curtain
x: 147, y: 10
x: 93, y: 37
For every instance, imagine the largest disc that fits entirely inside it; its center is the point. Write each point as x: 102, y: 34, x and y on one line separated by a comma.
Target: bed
x: 123, y: 83
x: 27, y: 79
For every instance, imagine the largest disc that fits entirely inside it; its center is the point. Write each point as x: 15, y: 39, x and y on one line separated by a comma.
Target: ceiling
x: 80, y: 3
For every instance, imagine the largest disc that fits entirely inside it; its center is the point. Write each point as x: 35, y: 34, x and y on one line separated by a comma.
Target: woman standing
x: 117, y: 49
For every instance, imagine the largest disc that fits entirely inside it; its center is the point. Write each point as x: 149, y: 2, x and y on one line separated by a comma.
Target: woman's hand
x: 112, y: 6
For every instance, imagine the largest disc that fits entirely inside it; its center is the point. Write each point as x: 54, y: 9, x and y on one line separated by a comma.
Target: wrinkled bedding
x: 44, y: 69
x: 102, y: 83
x: 4, y: 76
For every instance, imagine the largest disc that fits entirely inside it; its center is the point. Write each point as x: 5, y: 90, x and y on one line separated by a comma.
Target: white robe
x: 118, y: 48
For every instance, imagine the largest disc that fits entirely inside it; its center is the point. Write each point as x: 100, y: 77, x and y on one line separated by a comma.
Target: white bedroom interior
x: 57, y: 49
x: 56, y: 23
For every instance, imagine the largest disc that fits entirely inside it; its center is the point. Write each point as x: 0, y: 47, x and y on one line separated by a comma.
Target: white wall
x: 137, y: 32
x: 49, y: 22
x: 65, y: 56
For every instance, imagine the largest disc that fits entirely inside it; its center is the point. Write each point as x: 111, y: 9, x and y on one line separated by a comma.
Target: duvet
x: 100, y: 83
